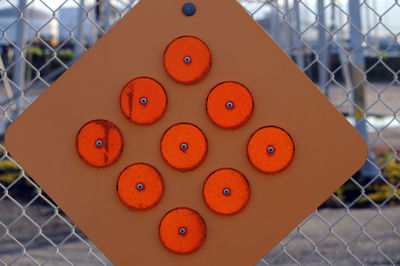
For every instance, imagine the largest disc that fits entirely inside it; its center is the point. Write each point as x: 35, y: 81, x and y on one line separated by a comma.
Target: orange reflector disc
x: 140, y: 186
x: 99, y: 143
x: 226, y: 191
x: 182, y: 230
x: 143, y: 100
x: 229, y: 105
x: 270, y: 149
x: 187, y: 59
x: 184, y: 146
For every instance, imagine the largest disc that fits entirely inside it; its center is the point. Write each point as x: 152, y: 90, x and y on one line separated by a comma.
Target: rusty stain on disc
x: 143, y: 100
x: 99, y: 143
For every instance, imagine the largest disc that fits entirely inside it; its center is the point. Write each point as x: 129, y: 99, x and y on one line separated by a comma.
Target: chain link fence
x: 350, y: 49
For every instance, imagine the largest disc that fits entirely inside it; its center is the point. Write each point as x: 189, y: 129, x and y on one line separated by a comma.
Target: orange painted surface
x: 143, y: 100
x: 198, y: 55
x: 140, y: 186
x: 172, y: 146
x: 182, y: 230
x: 226, y: 191
x: 99, y: 143
x: 270, y: 149
x: 229, y: 105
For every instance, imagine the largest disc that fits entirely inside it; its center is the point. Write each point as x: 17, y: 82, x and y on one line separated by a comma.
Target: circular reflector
x: 184, y: 146
x: 143, y: 100
x: 99, y: 143
x: 226, y: 191
x: 229, y: 105
x: 270, y: 149
x: 187, y: 59
x: 140, y: 186
x: 182, y: 230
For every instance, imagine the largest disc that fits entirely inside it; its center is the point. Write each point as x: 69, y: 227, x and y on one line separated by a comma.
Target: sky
x: 387, y: 9
x: 369, y: 18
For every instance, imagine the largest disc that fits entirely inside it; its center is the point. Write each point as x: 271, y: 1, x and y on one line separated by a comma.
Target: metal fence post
x: 80, y: 32
x: 299, y: 50
x: 322, y: 49
x: 19, y: 73
x: 357, y: 71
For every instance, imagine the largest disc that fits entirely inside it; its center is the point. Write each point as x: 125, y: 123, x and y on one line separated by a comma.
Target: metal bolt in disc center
x: 270, y: 149
x: 226, y: 191
x: 143, y: 100
x: 229, y: 105
x: 140, y: 186
x: 99, y: 143
x: 184, y: 146
x: 182, y: 231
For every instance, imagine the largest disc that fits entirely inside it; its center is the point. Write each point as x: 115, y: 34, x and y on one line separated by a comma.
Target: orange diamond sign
x: 185, y: 136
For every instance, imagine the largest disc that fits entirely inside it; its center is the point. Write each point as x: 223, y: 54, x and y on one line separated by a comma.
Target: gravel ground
x: 344, y: 242
x: 316, y: 237
x: 57, y: 232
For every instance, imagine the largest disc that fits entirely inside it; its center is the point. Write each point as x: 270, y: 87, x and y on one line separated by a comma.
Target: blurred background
x: 349, y: 48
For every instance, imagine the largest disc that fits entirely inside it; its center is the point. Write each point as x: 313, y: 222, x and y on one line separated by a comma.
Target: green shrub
x: 65, y: 55
x: 379, y: 193
x: 33, y: 51
x: 8, y: 172
x: 391, y: 169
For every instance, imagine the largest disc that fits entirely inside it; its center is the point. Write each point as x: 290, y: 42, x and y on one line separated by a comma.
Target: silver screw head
x: 143, y: 100
x: 226, y: 191
x: 229, y: 105
x: 99, y: 143
x: 140, y: 186
x: 184, y: 147
x: 187, y: 59
x: 182, y: 231
x: 270, y: 149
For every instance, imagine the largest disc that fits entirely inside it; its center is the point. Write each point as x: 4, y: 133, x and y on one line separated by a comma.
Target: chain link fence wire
x: 350, y: 49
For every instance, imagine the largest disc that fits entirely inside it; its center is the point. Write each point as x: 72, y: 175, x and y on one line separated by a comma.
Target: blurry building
x: 88, y: 25
x: 39, y: 23
x: 71, y: 18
